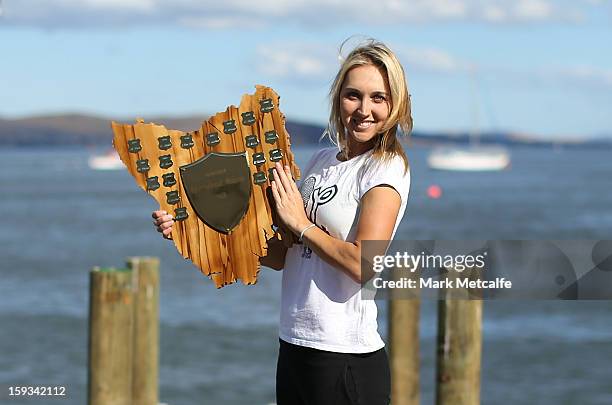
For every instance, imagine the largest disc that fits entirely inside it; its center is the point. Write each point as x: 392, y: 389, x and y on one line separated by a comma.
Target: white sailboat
x: 107, y: 161
x: 472, y: 158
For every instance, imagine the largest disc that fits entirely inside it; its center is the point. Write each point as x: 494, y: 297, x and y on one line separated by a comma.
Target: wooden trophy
x: 215, y: 182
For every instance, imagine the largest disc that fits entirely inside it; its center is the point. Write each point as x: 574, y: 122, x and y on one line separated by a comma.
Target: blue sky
x: 539, y: 67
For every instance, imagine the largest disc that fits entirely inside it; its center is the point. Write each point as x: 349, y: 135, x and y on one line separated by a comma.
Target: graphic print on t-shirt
x: 320, y: 196
x: 307, y: 189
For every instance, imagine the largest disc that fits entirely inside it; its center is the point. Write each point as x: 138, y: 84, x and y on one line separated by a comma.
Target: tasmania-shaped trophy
x: 214, y: 181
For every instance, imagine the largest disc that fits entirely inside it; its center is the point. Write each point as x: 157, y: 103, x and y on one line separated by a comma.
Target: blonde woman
x: 330, y: 350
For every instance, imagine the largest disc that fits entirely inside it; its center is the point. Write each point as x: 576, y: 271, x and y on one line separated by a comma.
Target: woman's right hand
x: 163, y: 222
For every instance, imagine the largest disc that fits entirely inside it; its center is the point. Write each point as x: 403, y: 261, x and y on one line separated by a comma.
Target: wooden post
x: 145, y: 370
x: 404, y: 308
x: 459, y: 349
x: 110, y: 337
x: 404, y: 350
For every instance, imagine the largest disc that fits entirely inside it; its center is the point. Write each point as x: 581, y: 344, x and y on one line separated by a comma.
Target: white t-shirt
x: 321, y: 307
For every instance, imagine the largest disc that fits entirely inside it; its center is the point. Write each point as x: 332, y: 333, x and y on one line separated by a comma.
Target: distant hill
x: 77, y: 129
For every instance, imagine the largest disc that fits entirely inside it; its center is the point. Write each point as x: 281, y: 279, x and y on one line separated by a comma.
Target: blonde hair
x: 379, y: 55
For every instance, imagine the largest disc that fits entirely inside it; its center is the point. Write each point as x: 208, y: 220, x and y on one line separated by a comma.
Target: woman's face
x: 364, y: 106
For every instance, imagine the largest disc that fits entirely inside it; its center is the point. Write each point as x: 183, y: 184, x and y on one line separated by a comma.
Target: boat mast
x: 474, y: 134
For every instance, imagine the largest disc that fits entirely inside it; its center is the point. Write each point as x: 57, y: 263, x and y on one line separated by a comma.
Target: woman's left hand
x: 289, y: 203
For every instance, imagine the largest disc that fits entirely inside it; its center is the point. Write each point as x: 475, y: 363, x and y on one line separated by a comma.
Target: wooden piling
x: 404, y: 350
x: 145, y: 372
x: 111, y: 310
x: 404, y: 361
x: 459, y: 347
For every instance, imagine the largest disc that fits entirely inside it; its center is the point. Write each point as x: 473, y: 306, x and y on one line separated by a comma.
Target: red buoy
x: 434, y: 191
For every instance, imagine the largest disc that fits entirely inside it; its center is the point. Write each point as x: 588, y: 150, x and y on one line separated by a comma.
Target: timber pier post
x: 123, y: 342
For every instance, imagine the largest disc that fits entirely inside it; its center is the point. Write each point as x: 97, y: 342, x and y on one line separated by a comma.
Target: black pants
x: 306, y: 376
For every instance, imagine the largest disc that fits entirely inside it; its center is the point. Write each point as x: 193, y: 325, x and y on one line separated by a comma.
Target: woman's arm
x: 379, y: 209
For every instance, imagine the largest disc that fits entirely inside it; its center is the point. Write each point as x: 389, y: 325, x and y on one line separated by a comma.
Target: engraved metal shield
x: 218, y: 187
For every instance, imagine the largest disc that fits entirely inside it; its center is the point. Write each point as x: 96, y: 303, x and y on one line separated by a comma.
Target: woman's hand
x: 163, y: 222
x: 289, y: 203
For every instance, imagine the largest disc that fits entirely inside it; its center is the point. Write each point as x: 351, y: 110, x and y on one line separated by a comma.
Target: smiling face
x: 364, y: 107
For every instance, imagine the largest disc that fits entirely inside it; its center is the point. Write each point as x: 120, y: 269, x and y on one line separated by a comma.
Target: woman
x: 330, y: 350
